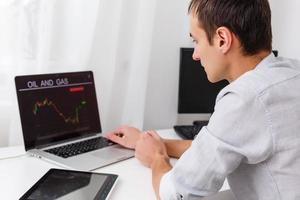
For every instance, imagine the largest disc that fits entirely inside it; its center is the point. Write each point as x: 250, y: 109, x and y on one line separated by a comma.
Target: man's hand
x: 125, y: 136
x: 151, y: 151
x: 148, y: 147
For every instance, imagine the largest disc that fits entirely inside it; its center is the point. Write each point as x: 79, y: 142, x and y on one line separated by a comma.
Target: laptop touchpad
x: 110, y: 153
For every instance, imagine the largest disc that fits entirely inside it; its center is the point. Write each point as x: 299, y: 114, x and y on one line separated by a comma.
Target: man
x: 253, y: 136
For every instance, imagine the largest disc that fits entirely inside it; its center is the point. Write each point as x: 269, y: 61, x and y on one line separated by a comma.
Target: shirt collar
x: 266, y: 61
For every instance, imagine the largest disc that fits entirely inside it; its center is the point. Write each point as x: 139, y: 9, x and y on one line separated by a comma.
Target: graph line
x: 47, y: 103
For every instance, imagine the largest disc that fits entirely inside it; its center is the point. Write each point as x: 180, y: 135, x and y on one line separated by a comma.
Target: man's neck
x: 243, y: 64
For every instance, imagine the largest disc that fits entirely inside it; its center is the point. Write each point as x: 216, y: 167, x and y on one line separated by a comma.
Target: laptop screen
x: 57, y: 107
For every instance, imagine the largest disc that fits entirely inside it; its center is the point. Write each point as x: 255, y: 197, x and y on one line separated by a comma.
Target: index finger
x: 115, y: 131
x: 115, y: 137
x: 154, y: 134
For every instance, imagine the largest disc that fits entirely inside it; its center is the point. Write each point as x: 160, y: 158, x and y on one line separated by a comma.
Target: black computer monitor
x: 196, y: 93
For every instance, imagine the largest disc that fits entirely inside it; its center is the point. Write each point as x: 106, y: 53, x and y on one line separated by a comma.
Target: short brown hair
x: 249, y: 20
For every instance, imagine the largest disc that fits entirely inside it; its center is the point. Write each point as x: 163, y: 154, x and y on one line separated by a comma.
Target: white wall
x: 121, y: 57
x: 171, y: 33
x: 286, y: 27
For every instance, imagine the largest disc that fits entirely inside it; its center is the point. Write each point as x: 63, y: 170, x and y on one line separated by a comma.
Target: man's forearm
x: 160, y: 166
x: 176, y: 148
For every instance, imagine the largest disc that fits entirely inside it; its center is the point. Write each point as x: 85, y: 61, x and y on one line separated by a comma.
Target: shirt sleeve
x: 238, y: 131
x: 167, y: 190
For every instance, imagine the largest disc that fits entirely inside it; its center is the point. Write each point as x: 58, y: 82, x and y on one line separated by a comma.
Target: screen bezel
x: 110, y: 177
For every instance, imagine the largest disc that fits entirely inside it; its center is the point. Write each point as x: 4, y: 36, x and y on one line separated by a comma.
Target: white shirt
x: 252, y: 138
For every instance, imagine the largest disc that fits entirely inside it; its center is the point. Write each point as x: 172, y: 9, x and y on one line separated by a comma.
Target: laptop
x: 60, y: 121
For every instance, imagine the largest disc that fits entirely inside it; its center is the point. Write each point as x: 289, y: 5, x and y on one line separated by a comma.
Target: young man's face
x: 208, y: 53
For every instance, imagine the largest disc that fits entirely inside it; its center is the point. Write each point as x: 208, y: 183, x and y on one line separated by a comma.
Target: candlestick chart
x: 45, y: 104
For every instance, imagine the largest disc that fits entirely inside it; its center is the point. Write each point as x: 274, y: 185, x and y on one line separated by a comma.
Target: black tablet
x: 67, y: 184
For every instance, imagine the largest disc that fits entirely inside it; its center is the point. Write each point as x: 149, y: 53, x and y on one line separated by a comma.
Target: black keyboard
x: 187, y: 132
x: 80, y: 147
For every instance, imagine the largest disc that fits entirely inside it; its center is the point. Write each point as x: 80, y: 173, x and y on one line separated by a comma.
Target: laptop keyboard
x: 80, y: 147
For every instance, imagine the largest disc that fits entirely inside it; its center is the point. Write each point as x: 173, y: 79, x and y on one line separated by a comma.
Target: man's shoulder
x: 266, y: 77
x: 246, y: 87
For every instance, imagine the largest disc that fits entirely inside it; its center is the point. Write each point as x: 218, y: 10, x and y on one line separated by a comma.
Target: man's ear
x: 223, y: 39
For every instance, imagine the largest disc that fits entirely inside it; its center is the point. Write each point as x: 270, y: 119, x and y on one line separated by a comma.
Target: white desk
x: 18, y: 174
